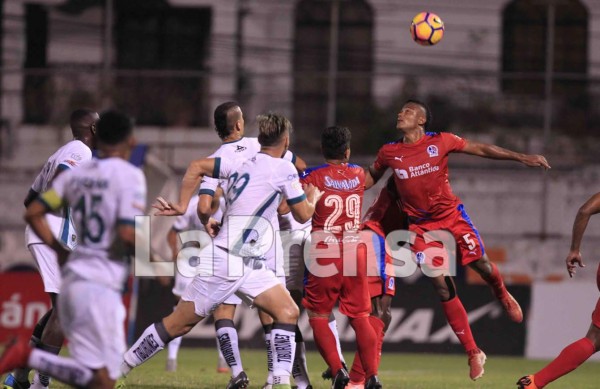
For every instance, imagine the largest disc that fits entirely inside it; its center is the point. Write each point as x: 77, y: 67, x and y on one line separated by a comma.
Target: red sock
x: 366, y: 342
x: 378, y: 326
x: 326, y: 342
x: 357, y: 373
x: 569, y: 359
x: 458, y: 320
x: 495, y: 281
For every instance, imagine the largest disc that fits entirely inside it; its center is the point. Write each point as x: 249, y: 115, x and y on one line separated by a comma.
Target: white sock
x: 228, y: 343
x: 222, y: 361
x: 173, y: 348
x: 64, y: 369
x: 152, y: 341
x: 268, y: 328
x: 283, y: 344
x: 300, y: 371
x: 334, y: 329
x: 40, y: 381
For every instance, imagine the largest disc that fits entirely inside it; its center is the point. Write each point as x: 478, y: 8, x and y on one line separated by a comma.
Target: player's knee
x: 289, y: 314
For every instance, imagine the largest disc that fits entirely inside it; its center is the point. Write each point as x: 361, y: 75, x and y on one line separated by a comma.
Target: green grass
x: 197, y: 369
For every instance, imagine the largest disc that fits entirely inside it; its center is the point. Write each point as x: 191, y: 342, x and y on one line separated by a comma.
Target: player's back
x: 255, y: 188
x: 343, y: 188
x: 103, y: 194
x: 70, y: 155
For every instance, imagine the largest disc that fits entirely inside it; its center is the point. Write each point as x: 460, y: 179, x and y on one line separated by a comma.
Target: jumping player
x: 578, y: 352
x: 338, y: 212
x: 105, y: 196
x: 47, y: 334
x: 419, y: 161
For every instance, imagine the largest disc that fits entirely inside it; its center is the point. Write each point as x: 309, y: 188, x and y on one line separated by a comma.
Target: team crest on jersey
x: 401, y: 173
x: 420, y: 257
x: 432, y: 150
x: 239, y: 149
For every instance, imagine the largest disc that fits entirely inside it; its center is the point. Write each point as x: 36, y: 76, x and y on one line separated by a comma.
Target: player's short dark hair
x: 77, y: 121
x: 271, y: 128
x: 225, y: 118
x: 428, y: 115
x: 335, y: 141
x: 114, y: 127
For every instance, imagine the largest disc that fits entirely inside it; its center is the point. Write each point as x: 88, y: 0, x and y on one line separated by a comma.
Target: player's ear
x: 347, y: 154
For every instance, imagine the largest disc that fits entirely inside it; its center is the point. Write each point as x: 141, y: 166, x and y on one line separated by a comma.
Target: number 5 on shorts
x: 470, y: 242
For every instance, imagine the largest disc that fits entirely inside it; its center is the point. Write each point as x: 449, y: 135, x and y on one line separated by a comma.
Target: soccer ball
x: 427, y: 29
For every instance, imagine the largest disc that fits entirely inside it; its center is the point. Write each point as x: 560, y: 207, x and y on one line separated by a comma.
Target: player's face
x: 410, y: 117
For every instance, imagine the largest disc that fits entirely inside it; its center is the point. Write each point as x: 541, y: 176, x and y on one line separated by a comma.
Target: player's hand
x: 535, y: 160
x: 313, y: 194
x: 574, y: 259
x: 212, y: 227
x: 166, y: 208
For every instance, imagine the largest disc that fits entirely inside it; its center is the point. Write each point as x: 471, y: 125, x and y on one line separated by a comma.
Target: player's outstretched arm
x: 189, y: 185
x: 35, y: 216
x: 304, y: 210
x: 300, y: 164
x: 495, y: 152
x: 589, y: 208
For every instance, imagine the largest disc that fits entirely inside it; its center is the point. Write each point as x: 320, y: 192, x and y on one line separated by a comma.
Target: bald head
x: 82, y: 120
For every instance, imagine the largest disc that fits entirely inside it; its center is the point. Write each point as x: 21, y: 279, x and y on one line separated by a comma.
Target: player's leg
x: 181, y: 282
x: 570, y: 358
x: 51, y: 341
x: 355, y: 302
x: 471, y: 251
x: 227, y: 339
x: 300, y: 370
x: 278, y: 304
x: 459, y: 322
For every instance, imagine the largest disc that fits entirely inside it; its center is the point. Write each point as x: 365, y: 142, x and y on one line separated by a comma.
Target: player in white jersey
x: 234, y: 264
x: 47, y: 334
x: 230, y: 127
x: 189, y: 223
x: 105, y: 195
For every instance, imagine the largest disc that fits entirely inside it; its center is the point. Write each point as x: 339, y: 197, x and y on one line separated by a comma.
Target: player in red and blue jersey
x: 572, y: 356
x: 419, y: 161
x: 340, y: 272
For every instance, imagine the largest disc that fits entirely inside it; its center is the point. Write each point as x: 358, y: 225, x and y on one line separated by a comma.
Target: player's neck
x: 275, y: 152
x: 336, y: 161
x: 232, y: 138
x: 413, y: 136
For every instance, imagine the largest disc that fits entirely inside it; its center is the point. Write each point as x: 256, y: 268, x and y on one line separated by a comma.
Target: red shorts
x: 322, y: 292
x: 384, y: 282
x: 596, y: 313
x: 467, y: 242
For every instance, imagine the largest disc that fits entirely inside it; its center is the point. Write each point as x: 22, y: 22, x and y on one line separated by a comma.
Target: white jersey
x: 68, y: 156
x: 102, y: 194
x: 255, y: 188
x: 243, y: 148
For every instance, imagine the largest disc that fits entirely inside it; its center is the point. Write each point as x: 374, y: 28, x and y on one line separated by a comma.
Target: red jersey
x: 421, y: 174
x: 339, y: 208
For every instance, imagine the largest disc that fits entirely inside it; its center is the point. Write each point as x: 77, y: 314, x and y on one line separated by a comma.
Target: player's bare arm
x: 589, y: 208
x: 303, y: 210
x: 191, y: 180
x: 300, y: 164
x: 31, y: 195
x: 35, y: 217
x: 495, y: 152
x: 372, y: 175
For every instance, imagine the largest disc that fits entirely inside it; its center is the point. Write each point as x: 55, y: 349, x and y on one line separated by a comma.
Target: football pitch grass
x: 197, y: 369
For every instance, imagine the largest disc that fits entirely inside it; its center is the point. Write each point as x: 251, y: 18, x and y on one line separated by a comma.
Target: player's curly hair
x: 335, y: 141
x: 428, y: 115
x: 271, y: 128
x: 225, y: 118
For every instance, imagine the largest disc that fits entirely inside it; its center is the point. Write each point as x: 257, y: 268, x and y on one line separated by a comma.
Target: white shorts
x: 207, y: 292
x: 182, y: 282
x: 47, y: 263
x: 92, y: 317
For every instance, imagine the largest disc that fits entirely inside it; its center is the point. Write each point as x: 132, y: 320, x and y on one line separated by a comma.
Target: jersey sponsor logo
x: 72, y: 163
x: 432, y: 150
x: 401, y: 174
x: 239, y: 149
x: 292, y: 177
x: 76, y: 156
x: 297, y: 185
x: 347, y: 184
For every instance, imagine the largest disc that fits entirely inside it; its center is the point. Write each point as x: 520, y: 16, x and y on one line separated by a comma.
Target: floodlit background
x: 523, y: 74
